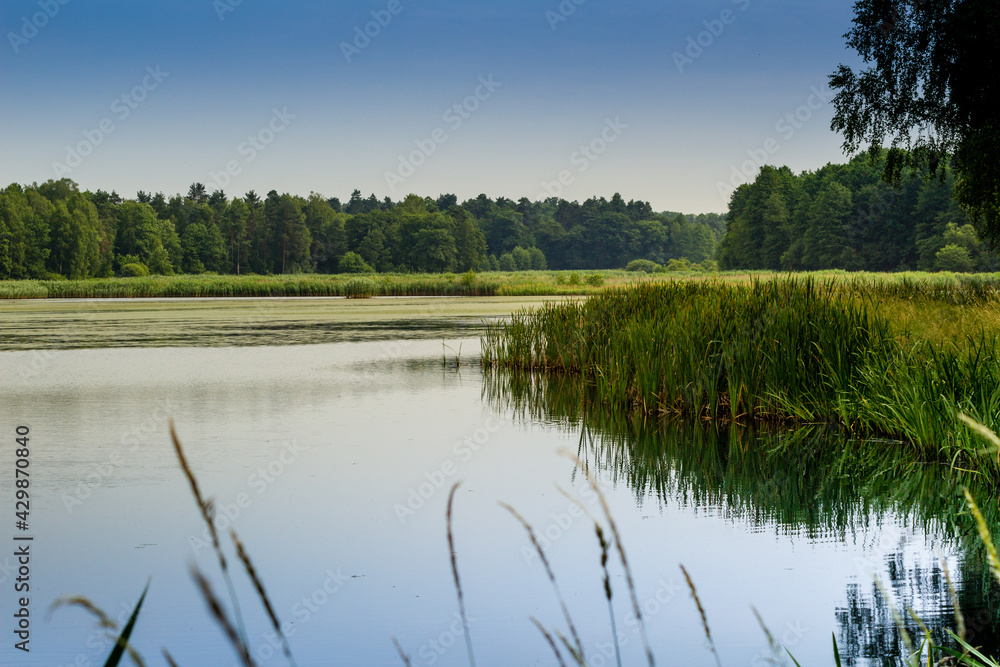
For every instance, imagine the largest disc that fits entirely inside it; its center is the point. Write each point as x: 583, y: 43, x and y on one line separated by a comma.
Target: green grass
x: 783, y: 350
x: 979, y: 287
x: 524, y: 283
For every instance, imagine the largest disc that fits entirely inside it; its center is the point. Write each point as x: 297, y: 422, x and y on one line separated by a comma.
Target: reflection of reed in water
x: 869, y: 634
x: 813, y: 481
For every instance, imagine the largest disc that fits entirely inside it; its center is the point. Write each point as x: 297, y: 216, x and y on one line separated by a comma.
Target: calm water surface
x: 329, y: 432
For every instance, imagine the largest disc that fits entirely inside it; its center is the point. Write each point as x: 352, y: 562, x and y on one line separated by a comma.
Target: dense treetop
x: 930, y: 92
x: 845, y: 216
x: 841, y: 216
x: 53, y: 229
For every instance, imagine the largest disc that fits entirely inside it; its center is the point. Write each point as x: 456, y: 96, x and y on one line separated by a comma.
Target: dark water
x: 329, y: 440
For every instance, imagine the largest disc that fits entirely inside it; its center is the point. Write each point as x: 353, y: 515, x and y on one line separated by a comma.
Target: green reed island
x: 897, y: 358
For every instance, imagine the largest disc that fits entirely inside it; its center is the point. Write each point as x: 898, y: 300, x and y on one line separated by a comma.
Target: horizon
x: 574, y: 99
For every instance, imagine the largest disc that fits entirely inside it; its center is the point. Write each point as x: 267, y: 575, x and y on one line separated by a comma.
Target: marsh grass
x: 940, y: 288
x: 702, y: 615
x: 779, y: 351
x: 576, y: 650
x: 265, y: 601
x: 528, y: 283
x: 121, y: 642
x: 206, y: 509
x: 232, y: 626
x: 458, y: 581
x: 361, y: 288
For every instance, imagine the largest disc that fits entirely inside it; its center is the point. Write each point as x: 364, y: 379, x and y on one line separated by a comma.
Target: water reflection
x: 810, y: 482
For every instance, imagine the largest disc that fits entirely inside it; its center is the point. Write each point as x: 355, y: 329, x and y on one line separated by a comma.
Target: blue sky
x: 667, y: 102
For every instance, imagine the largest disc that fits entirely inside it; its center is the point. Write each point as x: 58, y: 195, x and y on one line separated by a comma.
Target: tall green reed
x: 779, y: 351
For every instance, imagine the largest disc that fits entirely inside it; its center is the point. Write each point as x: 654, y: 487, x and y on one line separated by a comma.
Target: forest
x: 841, y: 216
x: 846, y: 216
x: 54, y: 230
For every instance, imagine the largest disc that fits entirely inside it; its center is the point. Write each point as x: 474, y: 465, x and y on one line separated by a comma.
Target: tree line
x: 55, y: 230
x: 846, y: 216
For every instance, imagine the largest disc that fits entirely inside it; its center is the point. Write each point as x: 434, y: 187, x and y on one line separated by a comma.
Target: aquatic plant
x: 787, y: 350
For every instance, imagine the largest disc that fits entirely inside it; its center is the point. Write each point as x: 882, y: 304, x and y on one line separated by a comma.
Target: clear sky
x: 669, y: 102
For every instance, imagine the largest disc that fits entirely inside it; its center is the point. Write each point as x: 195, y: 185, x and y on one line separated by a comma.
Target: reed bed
x: 943, y: 288
x: 782, y: 350
x: 302, y: 285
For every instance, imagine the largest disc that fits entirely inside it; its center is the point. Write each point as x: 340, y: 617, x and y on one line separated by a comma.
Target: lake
x: 329, y: 432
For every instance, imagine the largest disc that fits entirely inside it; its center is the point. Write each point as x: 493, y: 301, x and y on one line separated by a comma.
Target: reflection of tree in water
x: 810, y: 481
x: 869, y: 634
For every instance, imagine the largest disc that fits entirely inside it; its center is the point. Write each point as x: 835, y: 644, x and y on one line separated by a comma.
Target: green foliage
x: 360, y: 288
x: 595, y: 280
x: 250, y: 285
x: 825, y: 241
x: 953, y: 258
x: 922, y: 90
x: 202, y: 247
x: 537, y: 259
x: 236, y: 234
x: 143, y: 236
x: 79, y: 244
x: 118, y: 652
x: 133, y: 270
x: 54, y: 228
x: 522, y: 259
x: 290, y: 240
x: 760, y: 224
x: 574, y: 278
x: 845, y: 217
x: 643, y: 265
x: 779, y: 350
x: 507, y: 262
x: 351, y: 262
